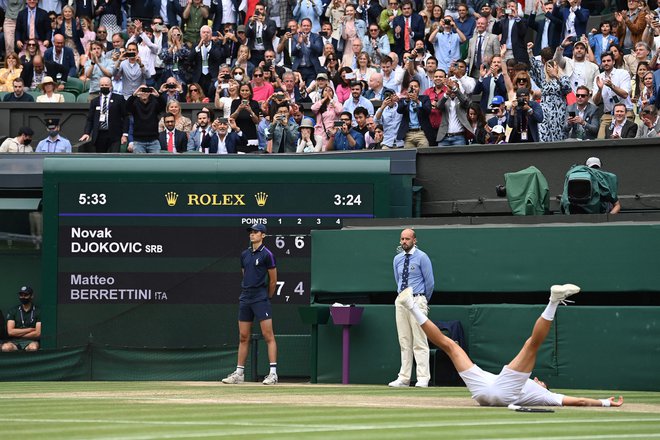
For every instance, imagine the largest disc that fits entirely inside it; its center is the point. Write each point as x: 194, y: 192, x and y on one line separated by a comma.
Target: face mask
x: 238, y: 77
x: 53, y: 133
x: 25, y: 300
x: 27, y: 142
x: 105, y: 90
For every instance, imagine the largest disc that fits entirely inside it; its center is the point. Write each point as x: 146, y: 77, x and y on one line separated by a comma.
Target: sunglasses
x: 581, y: 95
x: 176, y: 35
x: 31, y: 44
x: 101, y: 32
x: 258, y: 75
x: 193, y: 90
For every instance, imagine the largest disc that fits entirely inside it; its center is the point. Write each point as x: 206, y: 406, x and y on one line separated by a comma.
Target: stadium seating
x: 83, y: 97
x: 68, y: 96
x: 74, y: 86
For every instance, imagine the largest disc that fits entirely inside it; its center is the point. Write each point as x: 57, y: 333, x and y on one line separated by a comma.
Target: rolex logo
x: 261, y: 198
x: 171, y: 198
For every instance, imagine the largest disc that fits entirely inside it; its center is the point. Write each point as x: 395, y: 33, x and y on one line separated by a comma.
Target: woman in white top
x: 47, y: 87
x: 364, y: 70
x: 307, y: 143
x: 224, y: 103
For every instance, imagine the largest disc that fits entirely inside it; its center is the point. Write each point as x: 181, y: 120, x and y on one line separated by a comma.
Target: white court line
x: 580, y: 437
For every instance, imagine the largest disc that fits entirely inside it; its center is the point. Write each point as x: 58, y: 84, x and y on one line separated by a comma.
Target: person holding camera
x: 446, y: 39
x: 343, y: 136
x: 415, y: 128
x: 172, y: 90
x: 525, y: 118
x: 147, y: 49
x: 260, y: 32
x: 512, y: 31
x: 327, y: 111
x: 282, y: 133
x: 131, y: 71
x: 453, y: 107
x: 389, y: 117
x: 145, y: 105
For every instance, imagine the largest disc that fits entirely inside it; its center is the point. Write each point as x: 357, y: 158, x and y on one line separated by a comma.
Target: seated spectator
x: 327, y: 110
x: 181, y: 123
x: 637, y: 85
x: 307, y: 142
x: 620, y: 127
x: 197, y: 138
x: 478, y: 123
x: 647, y: 92
x: 357, y: 100
x: 315, y: 89
x: 364, y: 70
x: 389, y: 117
x: 343, y: 84
x: 61, y: 55
x: 392, y: 74
x: 31, y: 50
x: 171, y: 139
x: 650, y: 126
x: 583, y: 121
x: 195, y: 94
x: 54, y: 143
x: 18, y: 94
x: 34, y: 72
x: 377, y: 143
x: 282, y: 133
x: 10, y: 72
x: 23, y: 322
x: 292, y: 83
x: 226, y: 137
x: 48, y: 87
x: 296, y: 115
x: 331, y: 66
x: 497, y: 135
x: 19, y: 144
x: 376, y: 88
x: 343, y: 136
x: 172, y: 90
x: 500, y: 113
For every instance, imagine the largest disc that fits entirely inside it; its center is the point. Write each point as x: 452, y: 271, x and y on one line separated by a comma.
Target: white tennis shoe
x: 398, y: 383
x: 559, y: 293
x: 271, y: 379
x: 234, y: 378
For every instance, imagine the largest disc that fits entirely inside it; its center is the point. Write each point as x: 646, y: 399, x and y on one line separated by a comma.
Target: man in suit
x: 307, y: 50
x: 512, y: 30
x: 229, y: 44
x: 525, y: 118
x: 107, y: 121
x: 171, y: 139
x: 33, y: 22
x: 453, y: 106
x: 601, y: 43
x: 260, y: 32
x: 575, y: 19
x: 223, y: 141
x: 197, y: 138
x: 415, y: 128
x: 650, y: 127
x: 36, y: 70
x: 207, y: 58
x: 287, y: 43
x: 408, y: 28
x: 490, y: 83
x: 223, y: 13
x: 482, y: 48
x: 61, y: 55
x: 583, y: 119
x: 548, y: 27
x: 620, y: 128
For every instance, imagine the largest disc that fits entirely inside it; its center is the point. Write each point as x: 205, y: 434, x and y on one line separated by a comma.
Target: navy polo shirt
x: 255, y: 266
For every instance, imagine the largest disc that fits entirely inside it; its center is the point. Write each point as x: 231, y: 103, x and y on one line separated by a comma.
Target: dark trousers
x: 257, y: 56
x: 107, y: 142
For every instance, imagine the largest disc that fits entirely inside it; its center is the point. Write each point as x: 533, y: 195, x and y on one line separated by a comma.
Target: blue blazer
x: 315, y: 50
x: 416, y: 26
x: 518, y: 32
x: 423, y: 114
x: 581, y: 19
x: 68, y: 60
x: 232, y: 140
x: 596, y: 43
x: 554, y: 30
x: 42, y: 27
x: 483, y: 87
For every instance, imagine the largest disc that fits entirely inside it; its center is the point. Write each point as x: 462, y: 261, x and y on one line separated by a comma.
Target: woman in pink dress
x: 327, y: 111
x: 261, y: 89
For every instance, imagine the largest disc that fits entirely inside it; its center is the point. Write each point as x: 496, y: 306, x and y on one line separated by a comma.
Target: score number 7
x: 299, y: 289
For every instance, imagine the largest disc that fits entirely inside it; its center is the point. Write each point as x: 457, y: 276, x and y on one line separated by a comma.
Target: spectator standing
x: 435, y: 93
x: 512, y: 30
x: 351, y: 28
x: 58, y: 53
x: 206, y: 59
x: 147, y: 50
x: 579, y: 70
x: 96, y: 67
x: 408, y: 28
x: 631, y: 25
x: 611, y: 87
x: 145, y: 105
x: 412, y: 270
x: 224, y: 102
x: 389, y: 117
x: 261, y: 89
x: 109, y: 15
x: 130, y: 70
x: 554, y: 88
x: 197, y: 139
x: 176, y: 57
x: 307, y: 50
x: 525, y: 117
x: 446, y: 43
x: 548, y: 28
x: 491, y: 83
x: 245, y: 111
x: 583, y: 121
x: 387, y: 17
x: 415, y: 128
x: 357, y: 100
x: 71, y: 31
x: 575, y: 19
x: 482, y: 48
x: 453, y: 106
x: 23, y: 323
x: 20, y: 143
x: 309, y: 9
x: 107, y: 121
x: 376, y: 44
x: 601, y: 42
x: 13, y: 7
x: 32, y: 23
x: 282, y: 133
x: 260, y: 32
x: 327, y: 111
x: 477, y: 134
x: 194, y: 16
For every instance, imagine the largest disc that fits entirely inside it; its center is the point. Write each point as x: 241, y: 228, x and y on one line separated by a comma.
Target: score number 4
x: 300, y: 290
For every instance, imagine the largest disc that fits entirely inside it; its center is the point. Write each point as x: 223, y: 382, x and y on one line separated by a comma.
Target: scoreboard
x: 140, y: 238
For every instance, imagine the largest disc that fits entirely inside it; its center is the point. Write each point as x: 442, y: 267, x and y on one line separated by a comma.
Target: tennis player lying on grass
x: 512, y: 385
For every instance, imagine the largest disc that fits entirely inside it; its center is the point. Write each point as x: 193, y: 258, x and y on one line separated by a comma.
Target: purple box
x: 346, y: 315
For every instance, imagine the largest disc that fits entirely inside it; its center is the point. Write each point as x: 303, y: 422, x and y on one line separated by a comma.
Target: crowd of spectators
x: 372, y: 74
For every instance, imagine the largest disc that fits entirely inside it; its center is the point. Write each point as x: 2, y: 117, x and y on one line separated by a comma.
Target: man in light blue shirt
x: 388, y: 116
x: 312, y: 9
x: 446, y: 39
x: 54, y: 143
x: 357, y: 100
x: 412, y: 269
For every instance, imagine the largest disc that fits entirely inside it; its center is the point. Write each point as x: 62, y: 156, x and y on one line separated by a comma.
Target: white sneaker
x: 405, y: 298
x: 398, y: 384
x: 234, y: 378
x: 271, y: 379
x: 422, y: 384
x: 560, y: 293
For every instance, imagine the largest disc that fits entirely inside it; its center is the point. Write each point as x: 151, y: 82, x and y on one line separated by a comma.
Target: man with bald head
x: 376, y: 89
x: 107, y: 121
x: 206, y: 59
x: 59, y: 54
x: 412, y: 269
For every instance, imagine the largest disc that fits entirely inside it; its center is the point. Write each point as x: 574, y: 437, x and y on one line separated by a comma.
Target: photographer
x: 282, y: 133
x: 145, y: 105
x: 415, y: 128
x: 130, y: 71
x: 327, y: 111
x: 388, y: 116
x: 446, y: 39
x: 343, y: 136
x: 525, y: 118
x: 172, y: 90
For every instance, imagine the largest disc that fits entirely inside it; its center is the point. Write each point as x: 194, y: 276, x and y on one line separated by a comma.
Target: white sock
x: 550, y: 310
x: 420, y: 317
x: 273, y: 368
x: 240, y: 369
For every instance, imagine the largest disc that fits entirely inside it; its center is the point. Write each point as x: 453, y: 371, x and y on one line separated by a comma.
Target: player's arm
x: 272, y: 281
x: 16, y: 332
x: 585, y: 401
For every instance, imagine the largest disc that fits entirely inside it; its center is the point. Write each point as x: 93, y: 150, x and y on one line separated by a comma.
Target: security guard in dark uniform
x: 23, y: 324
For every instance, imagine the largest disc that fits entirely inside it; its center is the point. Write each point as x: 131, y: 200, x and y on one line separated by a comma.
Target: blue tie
x: 404, y: 274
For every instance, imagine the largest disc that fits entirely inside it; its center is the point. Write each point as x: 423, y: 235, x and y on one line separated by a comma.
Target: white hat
x: 498, y: 129
x: 593, y: 162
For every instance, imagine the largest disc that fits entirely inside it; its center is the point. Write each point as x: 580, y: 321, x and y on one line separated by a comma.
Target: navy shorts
x: 261, y: 310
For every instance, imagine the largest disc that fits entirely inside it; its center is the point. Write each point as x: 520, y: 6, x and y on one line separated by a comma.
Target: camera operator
x: 388, y: 116
x: 500, y: 113
x: 446, y: 39
x: 145, y: 105
x: 525, y: 118
x: 282, y: 133
x: 171, y: 90
x: 260, y: 32
x: 415, y: 128
x: 343, y: 136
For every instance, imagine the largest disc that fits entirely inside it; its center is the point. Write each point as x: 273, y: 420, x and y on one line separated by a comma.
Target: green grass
x: 155, y: 410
